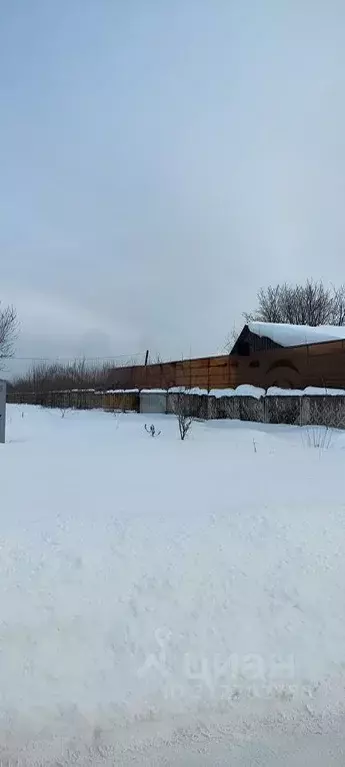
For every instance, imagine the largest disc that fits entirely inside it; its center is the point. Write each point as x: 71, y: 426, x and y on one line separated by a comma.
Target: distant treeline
x: 56, y: 376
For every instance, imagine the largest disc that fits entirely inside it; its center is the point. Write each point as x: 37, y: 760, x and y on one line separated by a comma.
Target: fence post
x: 2, y: 410
x: 305, y: 411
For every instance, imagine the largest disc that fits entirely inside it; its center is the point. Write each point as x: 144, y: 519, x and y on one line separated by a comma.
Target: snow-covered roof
x: 297, y: 335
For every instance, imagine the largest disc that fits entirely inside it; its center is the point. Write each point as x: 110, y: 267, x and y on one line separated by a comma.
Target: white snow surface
x: 297, y: 335
x: 311, y: 391
x: 248, y: 390
x: 168, y: 602
x: 244, y: 390
x: 115, y: 391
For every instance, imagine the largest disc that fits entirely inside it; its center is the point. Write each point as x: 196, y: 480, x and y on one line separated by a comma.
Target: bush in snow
x: 181, y: 408
x: 152, y: 430
x: 328, y: 412
x: 318, y: 436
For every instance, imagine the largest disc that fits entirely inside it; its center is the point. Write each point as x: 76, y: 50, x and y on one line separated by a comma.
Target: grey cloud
x: 160, y: 162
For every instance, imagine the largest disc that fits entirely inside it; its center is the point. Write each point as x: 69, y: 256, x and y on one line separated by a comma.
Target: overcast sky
x: 160, y: 160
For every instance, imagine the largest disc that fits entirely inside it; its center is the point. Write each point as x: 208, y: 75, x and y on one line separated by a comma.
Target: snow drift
x: 151, y: 587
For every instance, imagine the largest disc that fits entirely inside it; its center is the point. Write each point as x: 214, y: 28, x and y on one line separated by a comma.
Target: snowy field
x: 168, y: 602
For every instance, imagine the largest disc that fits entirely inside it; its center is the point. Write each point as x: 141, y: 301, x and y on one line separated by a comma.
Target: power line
x: 76, y: 358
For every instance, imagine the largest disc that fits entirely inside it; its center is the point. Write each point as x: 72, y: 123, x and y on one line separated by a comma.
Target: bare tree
x: 231, y: 338
x: 180, y: 408
x: 8, y: 331
x: 310, y: 304
x: 55, y: 376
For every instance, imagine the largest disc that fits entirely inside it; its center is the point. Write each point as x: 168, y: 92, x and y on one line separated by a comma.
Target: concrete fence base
x: 78, y: 400
x: 326, y: 410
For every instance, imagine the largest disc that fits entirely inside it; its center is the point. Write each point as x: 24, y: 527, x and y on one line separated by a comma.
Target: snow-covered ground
x: 168, y: 602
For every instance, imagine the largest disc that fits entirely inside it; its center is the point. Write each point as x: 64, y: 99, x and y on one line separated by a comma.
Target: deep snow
x: 297, y: 335
x: 167, y: 602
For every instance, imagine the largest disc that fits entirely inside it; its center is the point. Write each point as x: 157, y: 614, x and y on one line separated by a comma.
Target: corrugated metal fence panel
x: 153, y: 403
x: 317, y: 365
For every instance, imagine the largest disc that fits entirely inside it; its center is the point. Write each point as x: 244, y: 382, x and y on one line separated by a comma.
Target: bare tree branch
x: 9, y: 328
x: 45, y: 377
x: 310, y: 304
x: 181, y: 408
